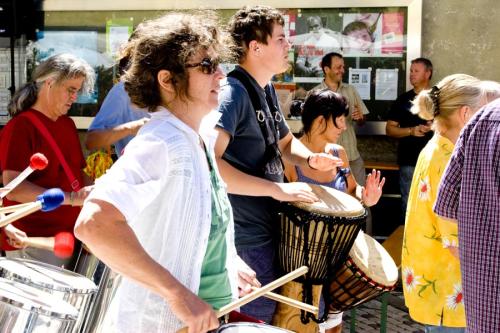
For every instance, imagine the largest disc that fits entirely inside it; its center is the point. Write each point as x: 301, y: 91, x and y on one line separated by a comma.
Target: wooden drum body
x: 290, y: 318
x: 318, y: 235
x: 368, y: 272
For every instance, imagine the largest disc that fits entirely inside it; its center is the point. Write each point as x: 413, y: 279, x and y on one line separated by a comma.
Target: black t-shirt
x: 410, y: 146
x: 254, y: 217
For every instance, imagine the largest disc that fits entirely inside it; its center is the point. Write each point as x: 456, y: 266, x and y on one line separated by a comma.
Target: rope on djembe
x: 319, y: 242
x: 358, y: 288
x: 316, y: 241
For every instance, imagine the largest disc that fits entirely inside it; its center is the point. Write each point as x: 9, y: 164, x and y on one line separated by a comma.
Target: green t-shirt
x: 215, y: 287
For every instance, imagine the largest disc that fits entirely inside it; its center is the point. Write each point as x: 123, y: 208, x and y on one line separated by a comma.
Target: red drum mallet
x: 38, y: 161
x: 62, y: 244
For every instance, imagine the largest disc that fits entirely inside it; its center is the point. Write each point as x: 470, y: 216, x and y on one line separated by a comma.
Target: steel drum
x: 24, y: 309
x: 250, y: 328
x: 67, y: 286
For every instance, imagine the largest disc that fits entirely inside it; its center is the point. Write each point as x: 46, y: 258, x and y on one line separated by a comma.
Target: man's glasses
x: 207, y: 65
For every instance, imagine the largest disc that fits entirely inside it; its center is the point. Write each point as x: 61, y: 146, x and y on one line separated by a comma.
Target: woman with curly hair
x: 160, y: 216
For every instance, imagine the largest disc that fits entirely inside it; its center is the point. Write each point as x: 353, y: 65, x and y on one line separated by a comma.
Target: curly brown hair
x: 166, y: 43
x: 252, y: 23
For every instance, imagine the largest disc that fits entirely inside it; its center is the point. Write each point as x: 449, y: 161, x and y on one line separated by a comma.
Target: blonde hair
x: 441, y: 101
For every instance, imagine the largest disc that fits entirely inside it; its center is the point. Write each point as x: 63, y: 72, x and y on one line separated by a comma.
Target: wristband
x: 309, y: 162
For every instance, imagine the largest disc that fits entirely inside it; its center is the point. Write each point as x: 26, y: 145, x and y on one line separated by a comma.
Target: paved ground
x: 368, y: 317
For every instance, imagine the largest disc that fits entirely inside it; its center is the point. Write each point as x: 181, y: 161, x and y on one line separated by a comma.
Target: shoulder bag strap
x: 75, y: 184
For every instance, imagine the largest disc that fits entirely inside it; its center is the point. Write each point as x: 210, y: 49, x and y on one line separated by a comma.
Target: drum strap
x: 271, y: 135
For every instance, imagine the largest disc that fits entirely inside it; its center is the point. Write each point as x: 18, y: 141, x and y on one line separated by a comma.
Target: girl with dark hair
x: 323, y: 119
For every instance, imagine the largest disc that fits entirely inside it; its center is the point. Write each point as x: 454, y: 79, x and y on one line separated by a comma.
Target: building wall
x: 461, y: 36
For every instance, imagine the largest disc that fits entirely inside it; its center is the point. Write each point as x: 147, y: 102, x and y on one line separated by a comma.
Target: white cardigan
x: 161, y: 185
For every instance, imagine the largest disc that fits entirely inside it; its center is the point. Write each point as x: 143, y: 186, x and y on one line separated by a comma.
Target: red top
x: 20, y: 140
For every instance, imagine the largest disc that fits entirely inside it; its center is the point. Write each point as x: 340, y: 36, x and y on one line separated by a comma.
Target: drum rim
x: 250, y: 324
x: 362, y: 275
x: 350, y: 213
x: 10, y: 275
x: 37, y: 309
x: 360, y: 265
x: 33, y: 307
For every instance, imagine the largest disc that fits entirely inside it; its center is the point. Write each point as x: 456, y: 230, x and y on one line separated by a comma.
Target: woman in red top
x: 55, y: 87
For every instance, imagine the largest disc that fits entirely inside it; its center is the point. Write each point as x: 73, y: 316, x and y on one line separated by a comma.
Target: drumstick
x: 11, y: 209
x: 292, y: 302
x: 257, y: 293
x: 47, y: 201
x: 62, y: 244
x: 38, y: 161
x: 261, y: 291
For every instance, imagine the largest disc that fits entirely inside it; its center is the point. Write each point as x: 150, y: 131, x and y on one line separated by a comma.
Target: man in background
x: 411, y: 131
x: 333, y: 68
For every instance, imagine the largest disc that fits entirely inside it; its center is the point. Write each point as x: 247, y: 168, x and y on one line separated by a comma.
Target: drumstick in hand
x: 291, y: 302
x: 62, y: 244
x: 258, y: 292
x: 47, y: 201
x: 38, y: 161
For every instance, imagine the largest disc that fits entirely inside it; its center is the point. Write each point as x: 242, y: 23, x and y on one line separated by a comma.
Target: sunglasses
x: 207, y: 65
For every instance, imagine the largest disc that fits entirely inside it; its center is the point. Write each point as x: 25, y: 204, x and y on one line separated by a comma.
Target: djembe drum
x: 319, y: 236
x: 368, y: 272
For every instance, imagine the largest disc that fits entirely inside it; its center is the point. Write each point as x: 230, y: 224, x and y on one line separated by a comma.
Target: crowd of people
x: 188, y: 212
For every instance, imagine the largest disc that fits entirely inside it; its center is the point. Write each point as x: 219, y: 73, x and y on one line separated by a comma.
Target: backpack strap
x: 75, y: 184
x: 272, y: 150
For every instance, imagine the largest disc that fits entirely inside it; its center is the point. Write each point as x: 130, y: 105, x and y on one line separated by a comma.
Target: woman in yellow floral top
x: 430, y: 266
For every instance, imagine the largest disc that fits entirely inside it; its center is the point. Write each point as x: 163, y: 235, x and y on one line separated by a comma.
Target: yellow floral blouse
x: 431, y: 274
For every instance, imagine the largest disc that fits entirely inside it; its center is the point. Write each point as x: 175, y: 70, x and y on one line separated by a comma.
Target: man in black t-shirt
x: 252, y: 141
x: 412, y: 131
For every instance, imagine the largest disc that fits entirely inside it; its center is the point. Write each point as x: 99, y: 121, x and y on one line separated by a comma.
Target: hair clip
x: 434, y: 94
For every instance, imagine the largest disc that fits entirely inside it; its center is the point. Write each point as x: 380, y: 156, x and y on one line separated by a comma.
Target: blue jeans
x: 405, y: 178
x: 261, y: 260
x: 443, y: 329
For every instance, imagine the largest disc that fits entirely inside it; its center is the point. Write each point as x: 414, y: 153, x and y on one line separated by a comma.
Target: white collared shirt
x: 161, y: 185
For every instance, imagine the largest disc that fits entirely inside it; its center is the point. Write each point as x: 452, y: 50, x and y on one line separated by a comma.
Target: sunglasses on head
x: 207, y: 65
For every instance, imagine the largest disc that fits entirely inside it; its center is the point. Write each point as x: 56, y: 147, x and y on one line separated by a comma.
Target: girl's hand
x: 373, y: 189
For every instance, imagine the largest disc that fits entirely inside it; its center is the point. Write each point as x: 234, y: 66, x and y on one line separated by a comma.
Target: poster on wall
x: 360, y: 78
x: 386, y: 84
x: 373, y: 34
x: 117, y: 34
x: 311, y: 40
x: 314, y: 34
x: 82, y: 44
